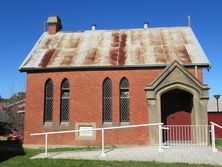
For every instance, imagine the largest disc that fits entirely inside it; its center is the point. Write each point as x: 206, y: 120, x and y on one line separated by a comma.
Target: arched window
x: 64, y: 109
x: 107, y: 100
x: 48, y: 108
x: 124, y: 100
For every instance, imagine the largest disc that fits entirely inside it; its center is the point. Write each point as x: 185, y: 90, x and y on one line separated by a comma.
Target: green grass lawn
x: 25, y: 161
x: 219, y: 142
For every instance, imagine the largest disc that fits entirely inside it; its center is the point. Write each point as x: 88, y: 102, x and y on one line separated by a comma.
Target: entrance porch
x: 176, y: 97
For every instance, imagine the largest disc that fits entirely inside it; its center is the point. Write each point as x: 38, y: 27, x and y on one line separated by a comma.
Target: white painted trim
x: 21, y: 111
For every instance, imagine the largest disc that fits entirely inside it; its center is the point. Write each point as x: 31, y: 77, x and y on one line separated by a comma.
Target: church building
x: 107, y: 78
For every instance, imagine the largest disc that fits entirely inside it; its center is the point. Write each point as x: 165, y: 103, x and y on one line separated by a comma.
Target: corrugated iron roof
x: 113, y: 48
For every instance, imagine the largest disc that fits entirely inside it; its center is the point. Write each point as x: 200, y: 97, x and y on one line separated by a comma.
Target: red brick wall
x: 216, y: 117
x: 52, y: 29
x: 86, y: 103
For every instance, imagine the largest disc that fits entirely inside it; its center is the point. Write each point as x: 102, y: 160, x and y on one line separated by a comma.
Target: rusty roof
x: 114, y: 48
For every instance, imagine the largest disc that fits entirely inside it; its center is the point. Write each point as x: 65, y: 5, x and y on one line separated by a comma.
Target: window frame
x: 125, y: 89
x: 105, y: 99
x: 62, y: 98
x: 47, y: 99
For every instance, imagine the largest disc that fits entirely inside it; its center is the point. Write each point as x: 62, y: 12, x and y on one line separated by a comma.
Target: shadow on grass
x: 10, y: 149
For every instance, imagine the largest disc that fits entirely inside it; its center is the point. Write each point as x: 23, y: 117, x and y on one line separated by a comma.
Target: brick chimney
x: 54, y: 24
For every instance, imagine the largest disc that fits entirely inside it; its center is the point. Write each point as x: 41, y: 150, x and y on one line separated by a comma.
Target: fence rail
x: 95, y: 129
x: 170, y: 136
x: 213, y: 135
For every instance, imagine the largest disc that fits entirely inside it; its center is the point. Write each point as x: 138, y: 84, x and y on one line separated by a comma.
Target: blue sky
x: 21, y: 24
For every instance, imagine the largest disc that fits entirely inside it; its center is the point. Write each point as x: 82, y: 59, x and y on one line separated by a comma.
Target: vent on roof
x: 93, y: 27
x: 145, y: 24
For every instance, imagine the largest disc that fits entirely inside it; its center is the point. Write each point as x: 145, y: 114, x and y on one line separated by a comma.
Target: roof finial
x: 189, y: 21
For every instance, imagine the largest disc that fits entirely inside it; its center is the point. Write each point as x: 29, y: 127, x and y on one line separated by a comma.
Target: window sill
x: 64, y: 123
x: 124, y: 123
x: 107, y: 124
x: 47, y: 125
x: 56, y: 126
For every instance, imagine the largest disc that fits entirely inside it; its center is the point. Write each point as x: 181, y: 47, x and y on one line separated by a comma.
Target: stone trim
x: 107, y: 124
x: 153, y: 87
x: 92, y: 124
x: 57, y: 126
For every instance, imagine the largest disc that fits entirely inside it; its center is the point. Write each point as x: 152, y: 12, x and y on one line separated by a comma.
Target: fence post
x: 213, y: 138
x: 206, y: 131
x: 103, y: 153
x: 160, y: 138
x: 46, y: 145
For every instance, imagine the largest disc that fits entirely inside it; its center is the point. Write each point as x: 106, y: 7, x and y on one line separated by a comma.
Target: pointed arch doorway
x: 176, y: 107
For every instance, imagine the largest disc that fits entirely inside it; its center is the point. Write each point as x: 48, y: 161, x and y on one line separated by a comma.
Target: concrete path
x: 148, y: 153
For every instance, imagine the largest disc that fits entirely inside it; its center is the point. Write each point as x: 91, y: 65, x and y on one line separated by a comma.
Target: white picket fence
x: 186, y: 136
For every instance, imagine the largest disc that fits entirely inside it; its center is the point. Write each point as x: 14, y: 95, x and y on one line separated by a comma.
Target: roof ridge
x: 122, y: 29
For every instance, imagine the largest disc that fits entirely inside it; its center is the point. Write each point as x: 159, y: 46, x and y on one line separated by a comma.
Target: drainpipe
x: 196, y: 72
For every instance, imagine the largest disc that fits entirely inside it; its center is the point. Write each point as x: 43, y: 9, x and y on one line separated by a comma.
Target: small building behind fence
x: 12, y: 116
x: 214, y: 109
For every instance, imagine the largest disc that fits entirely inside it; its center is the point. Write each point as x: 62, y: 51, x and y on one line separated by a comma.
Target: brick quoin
x: 86, y: 104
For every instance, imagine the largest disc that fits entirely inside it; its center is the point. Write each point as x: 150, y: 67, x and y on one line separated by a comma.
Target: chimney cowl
x: 93, y: 27
x: 54, y: 24
x: 145, y: 24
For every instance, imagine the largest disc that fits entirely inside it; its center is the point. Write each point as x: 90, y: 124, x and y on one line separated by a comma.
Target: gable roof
x: 116, y: 48
x: 177, y: 78
x: 174, y: 76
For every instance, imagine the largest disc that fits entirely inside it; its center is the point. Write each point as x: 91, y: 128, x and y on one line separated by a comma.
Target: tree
x: 16, y: 97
